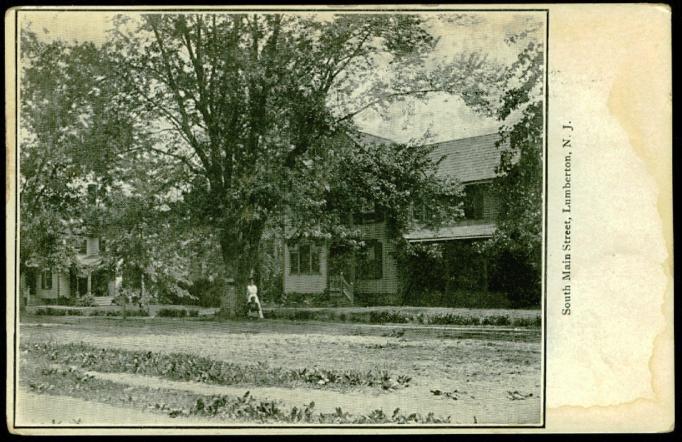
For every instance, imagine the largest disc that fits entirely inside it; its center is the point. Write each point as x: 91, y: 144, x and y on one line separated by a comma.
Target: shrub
x: 527, y: 322
x: 172, y: 313
x: 496, y: 320
x: 452, y: 319
x: 58, y: 312
x: 177, y: 313
x: 382, y: 317
x: 84, y: 301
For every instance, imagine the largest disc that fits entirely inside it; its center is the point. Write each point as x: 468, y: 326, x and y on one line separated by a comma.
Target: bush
x: 84, y: 301
x: 58, y: 312
x: 496, y: 320
x: 527, y: 322
x: 452, y: 319
x: 382, y: 317
x: 177, y: 313
x: 128, y: 313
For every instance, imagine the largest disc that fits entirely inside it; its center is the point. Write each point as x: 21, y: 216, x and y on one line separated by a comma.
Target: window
x: 82, y: 246
x: 92, y: 194
x: 304, y: 259
x: 371, y: 263
x: 46, y: 280
x: 294, y: 263
x: 419, y: 212
x: 368, y: 214
x: 473, y: 201
x: 102, y: 245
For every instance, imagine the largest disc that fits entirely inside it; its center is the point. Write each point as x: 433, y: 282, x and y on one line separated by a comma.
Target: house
x: 318, y: 268
x: 86, y: 274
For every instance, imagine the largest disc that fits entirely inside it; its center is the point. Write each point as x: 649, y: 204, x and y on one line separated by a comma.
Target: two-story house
x: 86, y: 274
x: 316, y: 268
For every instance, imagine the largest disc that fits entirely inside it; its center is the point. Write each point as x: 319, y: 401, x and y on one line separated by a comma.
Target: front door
x: 82, y: 284
x: 341, y: 262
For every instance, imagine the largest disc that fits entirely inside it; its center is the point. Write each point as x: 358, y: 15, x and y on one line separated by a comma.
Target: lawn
x: 193, y: 370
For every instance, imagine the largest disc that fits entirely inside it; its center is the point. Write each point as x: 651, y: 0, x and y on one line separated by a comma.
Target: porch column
x: 89, y: 282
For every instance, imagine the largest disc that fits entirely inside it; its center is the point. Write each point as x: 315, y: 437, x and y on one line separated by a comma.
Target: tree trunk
x: 239, y: 263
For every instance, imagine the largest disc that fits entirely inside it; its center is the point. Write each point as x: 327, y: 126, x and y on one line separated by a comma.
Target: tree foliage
x: 254, y: 104
x: 517, y: 243
x: 221, y: 128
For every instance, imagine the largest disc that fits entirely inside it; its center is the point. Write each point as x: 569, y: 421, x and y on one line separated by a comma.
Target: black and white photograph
x: 285, y: 217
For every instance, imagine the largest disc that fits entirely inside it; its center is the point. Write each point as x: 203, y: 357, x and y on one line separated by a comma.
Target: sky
x: 445, y: 117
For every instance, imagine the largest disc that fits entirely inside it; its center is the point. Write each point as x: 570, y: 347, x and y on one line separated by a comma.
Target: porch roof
x: 89, y: 260
x: 471, y: 231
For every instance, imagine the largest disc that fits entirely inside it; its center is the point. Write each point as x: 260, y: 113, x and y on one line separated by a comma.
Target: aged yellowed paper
x: 339, y: 219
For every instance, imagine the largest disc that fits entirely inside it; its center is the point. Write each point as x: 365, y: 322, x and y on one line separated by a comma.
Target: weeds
x: 76, y: 383
x: 186, y: 367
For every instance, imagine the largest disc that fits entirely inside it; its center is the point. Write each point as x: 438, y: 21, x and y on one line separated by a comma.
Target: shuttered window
x: 371, y: 263
x: 304, y: 259
x: 473, y: 201
x: 46, y: 280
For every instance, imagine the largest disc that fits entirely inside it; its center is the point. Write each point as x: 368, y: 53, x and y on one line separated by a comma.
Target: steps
x: 103, y: 300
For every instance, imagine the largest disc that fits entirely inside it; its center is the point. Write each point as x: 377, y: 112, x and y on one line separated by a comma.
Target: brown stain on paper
x: 639, y: 104
x: 640, y: 100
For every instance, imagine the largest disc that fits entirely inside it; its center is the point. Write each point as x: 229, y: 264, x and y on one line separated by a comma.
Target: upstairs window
x: 473, y: 201
x: 304, y: 259
x: 368, y: 214
x: 46, y: 280
x: 92, y: 194
x: 419, y: 212
x: 82, y: 246
x: 371, y: 262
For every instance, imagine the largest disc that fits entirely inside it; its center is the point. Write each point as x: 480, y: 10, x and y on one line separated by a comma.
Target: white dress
x: 252, y: 294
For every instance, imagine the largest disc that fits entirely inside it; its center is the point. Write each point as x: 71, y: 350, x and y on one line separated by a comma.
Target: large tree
x: 258, y: 109
x: 243, y: 121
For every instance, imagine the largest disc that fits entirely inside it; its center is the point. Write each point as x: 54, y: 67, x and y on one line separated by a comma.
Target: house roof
x: 472, y: 231
x: 366, y: 138
x: 468, y: 159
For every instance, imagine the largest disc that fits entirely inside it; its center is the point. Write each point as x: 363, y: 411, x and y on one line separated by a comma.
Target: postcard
x: 339, y: 219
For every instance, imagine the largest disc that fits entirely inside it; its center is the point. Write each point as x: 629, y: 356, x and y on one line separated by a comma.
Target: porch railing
x: 338, y: 284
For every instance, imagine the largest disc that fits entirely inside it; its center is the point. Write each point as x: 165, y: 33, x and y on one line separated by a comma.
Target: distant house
x: 315, y: 268
x: 86, y: 274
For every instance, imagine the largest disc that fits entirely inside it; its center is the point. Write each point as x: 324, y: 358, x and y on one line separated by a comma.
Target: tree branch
x: 387, y: 97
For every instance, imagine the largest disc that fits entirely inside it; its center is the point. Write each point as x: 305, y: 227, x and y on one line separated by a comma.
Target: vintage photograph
x: 264, y: 218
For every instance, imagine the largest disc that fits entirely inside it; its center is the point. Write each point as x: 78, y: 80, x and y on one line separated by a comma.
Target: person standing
x: 254, y: 307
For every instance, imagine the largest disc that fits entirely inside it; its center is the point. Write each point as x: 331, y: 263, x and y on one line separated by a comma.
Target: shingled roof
x: 468, y: 159
x: 367, y: 138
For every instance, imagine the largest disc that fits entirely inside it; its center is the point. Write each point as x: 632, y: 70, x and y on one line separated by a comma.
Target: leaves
x: 186, y: 367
